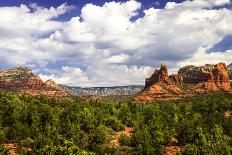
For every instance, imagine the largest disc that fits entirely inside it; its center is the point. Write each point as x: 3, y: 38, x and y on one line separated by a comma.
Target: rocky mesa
x: 23, y: 80
x: 207, y: 78
x: 190, y: 80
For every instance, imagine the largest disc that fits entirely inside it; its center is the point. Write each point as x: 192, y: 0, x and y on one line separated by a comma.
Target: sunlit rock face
x: 161, y: 75
x: 19, y: 77
x: 161, y: 86
x: 207, y: 77
x: 190, y: 80
x: 23, y: 80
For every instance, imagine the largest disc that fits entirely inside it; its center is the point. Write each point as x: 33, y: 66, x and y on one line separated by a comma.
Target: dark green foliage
x: 65, y: 148
x: 49, y: 126
x: 125, y: 140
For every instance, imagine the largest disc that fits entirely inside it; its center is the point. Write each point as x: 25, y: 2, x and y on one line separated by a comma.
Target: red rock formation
x: 220, y: 73
x: 192, y: 74
x: 217, y: 79
x: 178, y: 79
x: 159, y: 92
x: 160, y: 86
x: 19, y: 77
x: 203, y: 79
x: 160, y: 75
x: 22, y: 79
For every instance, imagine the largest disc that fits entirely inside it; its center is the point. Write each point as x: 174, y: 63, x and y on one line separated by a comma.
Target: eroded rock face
x: 161, y: 86
x: 206, y: 78
x: 22, y: 79
x: 161, y: 75
x: 19, y: 77
x: 220, y: 73
x: 192, y: 74
x: 178, y: 79
x: 189, y: 80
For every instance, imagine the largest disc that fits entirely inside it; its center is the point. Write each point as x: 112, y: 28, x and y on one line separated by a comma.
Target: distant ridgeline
x: 160, y: 86
x: 104, y: 91
x: 190, y: 80
x: 22, y: 80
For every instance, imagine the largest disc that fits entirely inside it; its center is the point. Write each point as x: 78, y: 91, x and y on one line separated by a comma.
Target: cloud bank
x: 113, y: 44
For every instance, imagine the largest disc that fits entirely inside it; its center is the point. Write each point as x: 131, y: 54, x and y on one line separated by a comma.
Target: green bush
x: 125, y: 140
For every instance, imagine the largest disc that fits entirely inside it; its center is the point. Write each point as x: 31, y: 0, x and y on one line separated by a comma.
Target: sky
x: 92, y: 43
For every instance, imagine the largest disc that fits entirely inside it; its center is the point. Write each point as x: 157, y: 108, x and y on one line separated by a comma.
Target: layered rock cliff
x: 161, y: 86
x: 193, y: 74
x: 23, y: 80
x: 206, y: 78
x: 161, y: 75
x: 19, y: 77
x: 189, y: 80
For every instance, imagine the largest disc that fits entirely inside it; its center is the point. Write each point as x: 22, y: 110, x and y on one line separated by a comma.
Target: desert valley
x: 122, y: 120
x: 116, y: 77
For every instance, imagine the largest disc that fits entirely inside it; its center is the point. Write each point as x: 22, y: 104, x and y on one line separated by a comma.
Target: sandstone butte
x: 22, y: 80
x: 190, y: 80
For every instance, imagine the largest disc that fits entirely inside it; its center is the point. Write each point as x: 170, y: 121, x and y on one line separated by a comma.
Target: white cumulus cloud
x: 113, y: 44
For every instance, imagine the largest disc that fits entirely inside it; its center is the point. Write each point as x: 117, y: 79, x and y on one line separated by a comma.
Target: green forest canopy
x: 42, y: 125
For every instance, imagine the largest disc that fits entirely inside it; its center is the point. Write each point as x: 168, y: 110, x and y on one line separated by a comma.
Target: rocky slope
x: 22, y: 79
x: 161, y: 86
x: 189, y: 80
x: 103, y: 91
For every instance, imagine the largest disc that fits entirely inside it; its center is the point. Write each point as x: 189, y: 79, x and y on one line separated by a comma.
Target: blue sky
x: 80, y: 3
x: 107, y: 43
x: 55, y: 3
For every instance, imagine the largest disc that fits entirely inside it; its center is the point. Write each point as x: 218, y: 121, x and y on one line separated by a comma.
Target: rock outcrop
x: 19, y: 77
x: 161, y: 86
x: 192, y: 74
x: 206, y: 78
x: 189, y: 80
x: 160, y: 75
x: 22, y: 79
x: 178, y: 79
